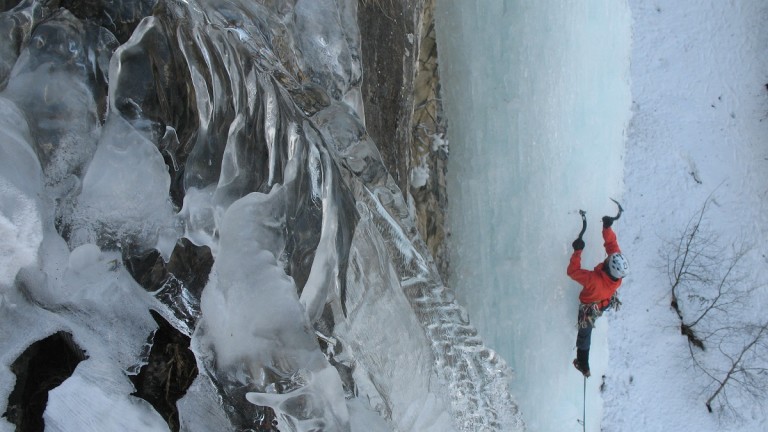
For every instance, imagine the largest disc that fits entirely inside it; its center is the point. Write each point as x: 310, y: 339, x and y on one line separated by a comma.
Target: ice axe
x: 621, y: 210
x: 578, y: 244
x: 583, y: 223
x: 608, y: 220
x: 584, y: 217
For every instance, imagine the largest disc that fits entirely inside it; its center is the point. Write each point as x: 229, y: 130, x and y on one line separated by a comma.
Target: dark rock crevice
x: 170, y: 370
x: 178, y: 283
x: 43, y: 366
x: 189, y: 263
x: 120, y: 18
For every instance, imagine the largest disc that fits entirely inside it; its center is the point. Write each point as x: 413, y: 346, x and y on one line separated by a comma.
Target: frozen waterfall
x: 198, y: 173
x: 537, y: 98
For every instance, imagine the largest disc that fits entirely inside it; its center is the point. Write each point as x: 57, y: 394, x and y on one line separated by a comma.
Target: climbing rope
x: 583, y: 420
x: 584, y: 408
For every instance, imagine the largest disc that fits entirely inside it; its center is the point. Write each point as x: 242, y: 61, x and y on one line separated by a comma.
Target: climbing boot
x: 581, y: 362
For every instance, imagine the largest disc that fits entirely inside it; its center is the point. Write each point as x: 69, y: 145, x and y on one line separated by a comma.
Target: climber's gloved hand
x: 578, y: 244
x: 608, y: 221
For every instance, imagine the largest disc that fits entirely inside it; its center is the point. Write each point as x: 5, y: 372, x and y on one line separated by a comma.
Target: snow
x: 698, y: 128
x: 526, y: 153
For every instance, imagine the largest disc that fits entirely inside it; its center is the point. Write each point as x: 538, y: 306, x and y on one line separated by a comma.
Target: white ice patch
x: 253, y: 321
x: 107, y: 313
x: 439, y: 142
x: 125, y: 190
x: 331, y: 55
x: 419, y: 176
x: 20, y: 230
x: 199, y: 217
x: 94, y: 277
x: 354, y: 98
x: 21, y: 183
x: 362, y: 418
x: 84, y: 406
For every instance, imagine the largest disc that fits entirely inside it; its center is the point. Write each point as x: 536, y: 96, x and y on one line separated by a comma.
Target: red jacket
x: 598, y: 286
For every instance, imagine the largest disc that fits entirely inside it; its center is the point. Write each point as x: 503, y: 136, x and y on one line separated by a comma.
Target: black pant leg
x: 584, y: 338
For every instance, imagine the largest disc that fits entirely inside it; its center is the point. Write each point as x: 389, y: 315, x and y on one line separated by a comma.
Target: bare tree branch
x: 745, y: 377
x: 710, y: 290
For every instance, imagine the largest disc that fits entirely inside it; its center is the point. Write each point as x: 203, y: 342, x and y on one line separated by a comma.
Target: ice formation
x: 235, y: 126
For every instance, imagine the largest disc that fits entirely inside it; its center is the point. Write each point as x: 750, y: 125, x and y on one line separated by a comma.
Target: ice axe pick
x: 621, y: 210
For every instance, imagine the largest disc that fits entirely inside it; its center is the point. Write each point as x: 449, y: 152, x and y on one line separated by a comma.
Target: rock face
x: 403, y: 109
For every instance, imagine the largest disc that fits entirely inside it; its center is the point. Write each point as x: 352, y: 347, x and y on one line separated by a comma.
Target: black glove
x: 607, y: 221
x: 578, y: 244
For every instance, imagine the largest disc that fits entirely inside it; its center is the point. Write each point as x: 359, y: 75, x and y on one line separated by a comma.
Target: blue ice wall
x: 537, y: 99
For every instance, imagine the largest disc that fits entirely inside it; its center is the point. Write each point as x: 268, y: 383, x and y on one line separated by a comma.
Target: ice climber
x: 599, y: 288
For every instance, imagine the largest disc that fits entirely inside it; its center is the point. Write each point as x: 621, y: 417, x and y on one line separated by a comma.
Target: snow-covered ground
x: 699, y: 127
x: 535, y: 97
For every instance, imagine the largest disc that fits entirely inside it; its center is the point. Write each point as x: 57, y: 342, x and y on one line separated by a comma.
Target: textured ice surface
x: 82, y: 405
x: 21, y: 183
x: 236, y: 125
x: 124, y: 194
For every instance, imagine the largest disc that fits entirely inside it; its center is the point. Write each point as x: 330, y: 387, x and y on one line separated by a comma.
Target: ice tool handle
x: 583, y: 223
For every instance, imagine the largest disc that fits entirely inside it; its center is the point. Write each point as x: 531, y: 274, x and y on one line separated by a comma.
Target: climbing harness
x: 590, y: 312
x: 614, y: 303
